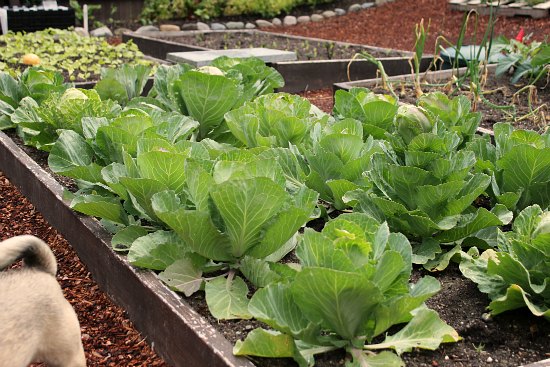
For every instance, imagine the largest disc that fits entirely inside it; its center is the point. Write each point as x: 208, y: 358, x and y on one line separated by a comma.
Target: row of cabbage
x: 210, y: 177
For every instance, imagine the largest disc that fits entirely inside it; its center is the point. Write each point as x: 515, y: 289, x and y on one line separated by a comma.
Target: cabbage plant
x: 238, y: 215
x: 38, y: 124
x: 518, y: 274
x: 519, y: 163
x: 36, y: 83
x: 206, y: 96
x: 375, y: 112
x: 337, y: 160
x: 429, y: 194
x: 276, y: 120
x: 352, y: 284
x: 123, y: 83
x: 455, y: 113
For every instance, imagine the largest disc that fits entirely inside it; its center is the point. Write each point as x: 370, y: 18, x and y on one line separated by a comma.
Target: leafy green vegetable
x: 206, y: 97
x: 375, y: 112
x: 526, y: 60
x: 239, y: 209
x: 352, y: 286
x: 122, y: 84
x: 35, y: 83
x: 430, y: 194
x: 338, y: 159
x: 81, y: 58
x: 519, y: 274
x: 38, y: 124
x: 276, y: 120
x: 454, y: 113
x: 519, y: 163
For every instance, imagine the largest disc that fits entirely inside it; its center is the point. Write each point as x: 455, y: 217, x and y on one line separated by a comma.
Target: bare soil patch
x: 305, y: 49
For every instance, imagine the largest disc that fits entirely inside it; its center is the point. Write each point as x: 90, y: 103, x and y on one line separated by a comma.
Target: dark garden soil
x: 305, y: 49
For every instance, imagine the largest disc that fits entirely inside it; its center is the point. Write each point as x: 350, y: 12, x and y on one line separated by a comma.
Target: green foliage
x: 422, y: 183
x: 122, y: 84
x: 79, y: 13
x: 338, y: 159
x: 35, y: 83
x: 527, y: 60
x: 519, y: 274
x: 276, y: 120
x: 155, y: 10
x: 80, y: 58
x: 519, y: 163
x: 38, y: 125
x: 352, y: 285
x: 265, y: 8
x: 207, y: 96
x: 375, y: 112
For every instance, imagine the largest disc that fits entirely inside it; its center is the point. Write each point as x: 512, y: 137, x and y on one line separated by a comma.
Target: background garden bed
x: 299, y: 75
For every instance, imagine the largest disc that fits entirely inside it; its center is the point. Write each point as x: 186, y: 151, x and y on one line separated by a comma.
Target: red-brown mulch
x: 392, y: 25
x: 109, y: 337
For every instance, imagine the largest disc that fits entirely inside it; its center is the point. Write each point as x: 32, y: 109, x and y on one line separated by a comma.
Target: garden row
x: 208, y: 179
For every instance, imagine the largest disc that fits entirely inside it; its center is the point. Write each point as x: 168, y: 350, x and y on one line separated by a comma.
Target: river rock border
x: 289, y: 20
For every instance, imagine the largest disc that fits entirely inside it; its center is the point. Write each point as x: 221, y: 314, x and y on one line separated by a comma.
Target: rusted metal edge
x: 177, y: 332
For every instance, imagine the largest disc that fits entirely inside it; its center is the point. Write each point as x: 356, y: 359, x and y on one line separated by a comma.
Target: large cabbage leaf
x: 352, y: 286
x: 519, y: 274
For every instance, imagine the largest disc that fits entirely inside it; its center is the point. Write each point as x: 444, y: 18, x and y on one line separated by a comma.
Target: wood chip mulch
x: 109, y: 337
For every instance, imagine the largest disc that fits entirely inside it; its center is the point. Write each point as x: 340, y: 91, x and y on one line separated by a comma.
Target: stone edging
x: 288, y: 20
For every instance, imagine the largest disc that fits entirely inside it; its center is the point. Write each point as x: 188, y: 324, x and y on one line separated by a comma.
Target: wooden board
x: 506, y: 8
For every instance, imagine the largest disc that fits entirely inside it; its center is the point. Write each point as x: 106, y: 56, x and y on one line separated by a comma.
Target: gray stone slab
x: 202, y: 58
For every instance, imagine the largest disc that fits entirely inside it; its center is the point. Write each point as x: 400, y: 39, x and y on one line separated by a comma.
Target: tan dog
x: 36, y: 322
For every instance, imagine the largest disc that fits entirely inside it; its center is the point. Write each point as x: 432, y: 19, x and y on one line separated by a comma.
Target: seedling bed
x: 182, y: 330
x: 329, y: 65
x: 499, y: 91
x: 504, y: 8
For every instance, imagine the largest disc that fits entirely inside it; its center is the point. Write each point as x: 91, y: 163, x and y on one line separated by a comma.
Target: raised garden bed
x: 507, y: 8
x: 510, y: 339
x: 79, y: 58
x: 320, y: 62
x: 184, y: 338
x: 499, y: 91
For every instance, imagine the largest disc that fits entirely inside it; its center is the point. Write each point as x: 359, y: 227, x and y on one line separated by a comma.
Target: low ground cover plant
x: 212, y: 194
x: 78, y: 58
x: 155, y: 10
